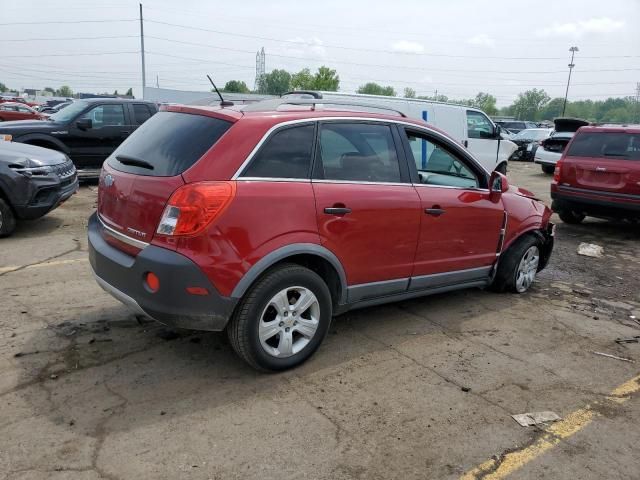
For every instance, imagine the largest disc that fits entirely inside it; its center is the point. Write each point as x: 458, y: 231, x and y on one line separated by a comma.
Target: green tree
x: 303, y: 80
x: 115, y: 92
x: 485, y: 102
x: 373, y: 88
x: 3, y: 87
x: 235, y: 86
x: 553, y: 109
x: 64, y: 91
x: 49, y: 89
x: 276, y: 82
x: 529, y: 104
x: 326, y: 79
x: 409, y: 93
x: 129, y: 92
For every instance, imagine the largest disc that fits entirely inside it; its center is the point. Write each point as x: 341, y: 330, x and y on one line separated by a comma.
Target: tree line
x: 534, y: 104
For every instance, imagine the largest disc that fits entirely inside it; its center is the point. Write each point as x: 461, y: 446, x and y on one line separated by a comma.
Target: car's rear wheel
x: 282, y: 319
x: 569, y: 216
x: 548, y: 169
x: 7, y: 219
x: 518, y: 266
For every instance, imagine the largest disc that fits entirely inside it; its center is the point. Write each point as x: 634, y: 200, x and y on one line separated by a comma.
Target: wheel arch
x: 45, y: 141
x: 312, y: 256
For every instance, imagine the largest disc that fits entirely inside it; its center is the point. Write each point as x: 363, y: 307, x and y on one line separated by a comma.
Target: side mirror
x: 84, y: 124
x: 498, y: 184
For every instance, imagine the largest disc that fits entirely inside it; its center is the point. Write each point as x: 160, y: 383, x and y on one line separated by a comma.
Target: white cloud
x: 482, y: 40
x: 312, y: 47
x: 405, y: 46
x: 581, y: 27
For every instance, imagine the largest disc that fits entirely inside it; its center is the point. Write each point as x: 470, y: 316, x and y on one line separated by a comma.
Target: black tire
x: 505, y: 278
x: 548, y: 169
x: 571, y: 217
x: 7, y: 219
x: 243, y: 327
x: 502, y: 168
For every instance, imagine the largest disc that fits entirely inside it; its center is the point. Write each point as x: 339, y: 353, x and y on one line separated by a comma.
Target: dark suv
x: 86, y: 130
x: 270, y: 220
x: 33, y: 181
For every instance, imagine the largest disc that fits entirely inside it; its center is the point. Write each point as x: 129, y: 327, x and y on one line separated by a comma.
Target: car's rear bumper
x: 595, y: 203
x: 544, y: 157
x: 123, y: 276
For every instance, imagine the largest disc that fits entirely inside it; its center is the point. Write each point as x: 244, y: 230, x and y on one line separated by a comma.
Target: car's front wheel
x: 518, y: 266
x: 7, y: 219
x: 282, y: 319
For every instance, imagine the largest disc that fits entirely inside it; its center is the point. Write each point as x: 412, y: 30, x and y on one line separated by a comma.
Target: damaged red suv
x: 270, y: 219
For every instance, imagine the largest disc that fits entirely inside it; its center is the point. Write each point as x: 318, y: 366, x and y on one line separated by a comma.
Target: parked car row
x: 87, y: 131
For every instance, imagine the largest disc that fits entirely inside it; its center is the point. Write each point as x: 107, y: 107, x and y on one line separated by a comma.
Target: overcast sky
x: 457, y: 47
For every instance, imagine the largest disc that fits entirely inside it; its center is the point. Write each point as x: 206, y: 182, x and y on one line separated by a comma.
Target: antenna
x: 222, y: 101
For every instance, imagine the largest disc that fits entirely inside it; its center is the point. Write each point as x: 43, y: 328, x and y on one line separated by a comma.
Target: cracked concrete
x: 420, y: 389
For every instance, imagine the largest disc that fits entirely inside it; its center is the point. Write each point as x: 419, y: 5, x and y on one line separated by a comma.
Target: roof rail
x: 267, y: 105
x: 302, y: 93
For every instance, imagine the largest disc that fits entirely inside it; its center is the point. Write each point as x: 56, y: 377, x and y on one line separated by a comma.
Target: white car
x: 550, y: 151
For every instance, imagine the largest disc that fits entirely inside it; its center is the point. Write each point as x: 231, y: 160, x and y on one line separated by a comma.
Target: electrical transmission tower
x: 260, y: 69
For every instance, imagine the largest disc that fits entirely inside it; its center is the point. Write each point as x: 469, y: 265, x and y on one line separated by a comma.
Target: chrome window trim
x: 426, y: 129
x: 122, y: 237
x: 470, y: 189
x: 358, y: 182
x: 273, y: 179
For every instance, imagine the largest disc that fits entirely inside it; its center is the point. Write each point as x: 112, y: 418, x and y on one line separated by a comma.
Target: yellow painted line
x: 494, y: 469
x: 42, y: 265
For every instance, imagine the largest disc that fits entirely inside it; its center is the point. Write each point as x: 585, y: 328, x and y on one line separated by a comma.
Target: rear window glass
x: 615, y: 145
x: 167, y: 144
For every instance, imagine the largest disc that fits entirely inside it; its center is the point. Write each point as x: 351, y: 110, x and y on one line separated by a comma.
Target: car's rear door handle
x: 337, y: 210
x: 436, y: 212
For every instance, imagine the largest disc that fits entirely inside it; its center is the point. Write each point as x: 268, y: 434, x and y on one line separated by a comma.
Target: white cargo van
x: 470, y: 126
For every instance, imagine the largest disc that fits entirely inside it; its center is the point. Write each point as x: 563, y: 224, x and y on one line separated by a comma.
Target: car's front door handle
x: 436, y: 212
x: 337, y: 210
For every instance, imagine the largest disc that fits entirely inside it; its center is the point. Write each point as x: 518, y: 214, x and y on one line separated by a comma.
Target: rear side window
x: 358, y: 152
x: 614, y: 145
x: 141, y: 113
x: 286, y: 154
x: 167, y: 144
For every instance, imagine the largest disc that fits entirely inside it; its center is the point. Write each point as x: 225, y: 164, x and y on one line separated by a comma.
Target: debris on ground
x: 615, y: 357
x: 535, y: 418
x: 634, y: 339
x: 167, y: 335
x: 590, y: 250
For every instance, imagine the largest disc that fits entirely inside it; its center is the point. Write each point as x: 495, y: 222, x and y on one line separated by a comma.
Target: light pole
x: 573, y: 51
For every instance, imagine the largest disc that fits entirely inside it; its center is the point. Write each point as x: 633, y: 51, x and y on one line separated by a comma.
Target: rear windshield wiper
x: 134, y: 162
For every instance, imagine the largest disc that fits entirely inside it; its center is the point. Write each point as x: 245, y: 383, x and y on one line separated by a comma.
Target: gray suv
x: 33, y: 181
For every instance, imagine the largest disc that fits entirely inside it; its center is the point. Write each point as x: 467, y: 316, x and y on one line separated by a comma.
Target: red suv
x: 270, y: 220
x: 599, y: 175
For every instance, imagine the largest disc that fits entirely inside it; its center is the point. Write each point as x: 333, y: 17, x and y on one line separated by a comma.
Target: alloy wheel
x: 527, y: 269
x: 289, y: 322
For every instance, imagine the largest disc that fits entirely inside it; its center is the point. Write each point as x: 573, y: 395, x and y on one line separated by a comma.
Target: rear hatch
x: 143, y: 172
x: 603, y: 160
x: 564, y: 128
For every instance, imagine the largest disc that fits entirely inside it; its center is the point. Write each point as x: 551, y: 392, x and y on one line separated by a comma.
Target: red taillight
x: 152, y: 281
x: 194, y: 206
x: 556, y: 171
